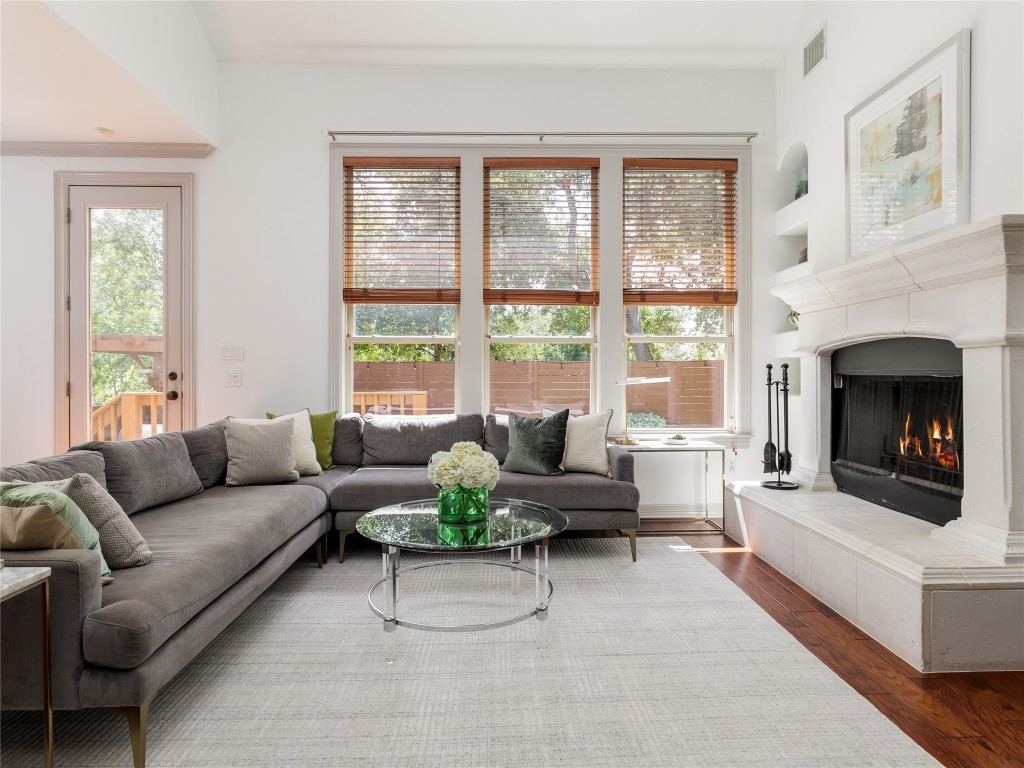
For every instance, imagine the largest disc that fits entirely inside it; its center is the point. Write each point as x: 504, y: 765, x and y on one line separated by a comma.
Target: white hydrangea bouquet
x: 464, y: 477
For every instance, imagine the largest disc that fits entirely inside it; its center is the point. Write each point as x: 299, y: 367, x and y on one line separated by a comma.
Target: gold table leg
x: 47, y: 699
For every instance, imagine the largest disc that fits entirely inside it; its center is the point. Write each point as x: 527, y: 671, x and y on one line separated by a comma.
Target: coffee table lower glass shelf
x: 414, y: 526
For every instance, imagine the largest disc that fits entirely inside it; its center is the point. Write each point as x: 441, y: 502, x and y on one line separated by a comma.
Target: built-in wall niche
x: 791, y: 220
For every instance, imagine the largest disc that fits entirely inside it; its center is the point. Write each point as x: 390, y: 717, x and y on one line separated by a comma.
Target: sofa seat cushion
x: 573, y: 490
x: 329, y: 480
x: 201, y: 546
x: 371, y: 487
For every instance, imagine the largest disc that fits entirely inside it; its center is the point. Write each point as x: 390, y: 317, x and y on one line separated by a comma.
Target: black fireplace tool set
x: 775, y: 460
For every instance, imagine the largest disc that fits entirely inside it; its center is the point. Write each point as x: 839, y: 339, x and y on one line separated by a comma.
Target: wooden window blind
x: 401, y: 230
x: 540, y: 231
x: 679, y: 232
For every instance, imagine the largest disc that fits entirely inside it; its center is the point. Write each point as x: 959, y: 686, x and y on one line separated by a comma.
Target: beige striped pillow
x: 586, y: 443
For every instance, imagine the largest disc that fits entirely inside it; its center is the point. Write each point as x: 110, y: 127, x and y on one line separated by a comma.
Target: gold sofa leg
x: 631, y: 532
x: 342, y: 535
x: 137, y: 721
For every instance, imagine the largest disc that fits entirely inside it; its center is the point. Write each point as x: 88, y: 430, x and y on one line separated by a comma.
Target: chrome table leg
x: 391, y: 565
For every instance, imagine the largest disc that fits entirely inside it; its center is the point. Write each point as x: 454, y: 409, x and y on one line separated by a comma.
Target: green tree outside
x: 127, y: 286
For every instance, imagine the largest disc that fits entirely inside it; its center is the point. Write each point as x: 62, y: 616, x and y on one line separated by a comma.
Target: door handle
x: 172, y: 395
x: 173, y: 376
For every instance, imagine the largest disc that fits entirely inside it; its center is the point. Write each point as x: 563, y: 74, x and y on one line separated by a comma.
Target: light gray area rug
x: 663, y: 662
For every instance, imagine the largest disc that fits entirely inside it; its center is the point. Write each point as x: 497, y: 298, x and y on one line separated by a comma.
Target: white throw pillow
x: 260, y: 451
x: 586, y: 443
x: 305, y: 448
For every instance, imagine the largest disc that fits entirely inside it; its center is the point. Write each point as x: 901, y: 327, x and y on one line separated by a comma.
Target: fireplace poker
x: 778, y: 426
x: 785, y: 457
x: 770, y: 451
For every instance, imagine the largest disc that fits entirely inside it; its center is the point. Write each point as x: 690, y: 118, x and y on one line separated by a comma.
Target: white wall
x: 870, y: 44
x: 262, y: 215
x: 162, y: 45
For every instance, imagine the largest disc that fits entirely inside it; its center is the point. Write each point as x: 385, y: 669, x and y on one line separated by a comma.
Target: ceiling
x: 517, y: 33
x: 59, y: 87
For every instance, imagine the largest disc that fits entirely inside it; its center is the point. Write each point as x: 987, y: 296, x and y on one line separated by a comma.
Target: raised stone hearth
x: 943, y: 598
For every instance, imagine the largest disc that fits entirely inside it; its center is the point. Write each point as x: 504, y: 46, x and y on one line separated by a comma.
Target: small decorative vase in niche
x: 462, y: 506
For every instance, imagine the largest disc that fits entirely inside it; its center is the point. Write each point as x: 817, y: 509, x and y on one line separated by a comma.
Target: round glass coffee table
x: 413, y: 525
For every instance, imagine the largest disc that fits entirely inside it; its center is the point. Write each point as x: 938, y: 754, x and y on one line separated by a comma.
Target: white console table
x: 693, y: 446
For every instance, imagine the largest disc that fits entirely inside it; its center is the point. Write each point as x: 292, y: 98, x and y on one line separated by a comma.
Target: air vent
x: 814, y: 51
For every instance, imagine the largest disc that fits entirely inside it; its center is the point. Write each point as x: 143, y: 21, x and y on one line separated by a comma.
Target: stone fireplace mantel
x: 943, y: 598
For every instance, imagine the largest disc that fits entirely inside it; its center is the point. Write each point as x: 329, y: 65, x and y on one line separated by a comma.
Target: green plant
x: 646, y: 420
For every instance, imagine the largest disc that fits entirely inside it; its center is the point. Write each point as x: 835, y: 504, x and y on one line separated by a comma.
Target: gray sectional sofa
x: 218, y: 548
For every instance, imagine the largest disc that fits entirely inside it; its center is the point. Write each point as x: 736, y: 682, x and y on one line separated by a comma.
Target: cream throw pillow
x: 305, y: 448
x: 586, y: 443
x: 260, y: 451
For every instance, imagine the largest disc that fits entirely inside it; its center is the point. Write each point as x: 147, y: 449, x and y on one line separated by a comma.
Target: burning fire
x: 938, y: 444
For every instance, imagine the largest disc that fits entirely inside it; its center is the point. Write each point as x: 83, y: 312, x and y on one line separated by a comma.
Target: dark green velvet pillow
x: 536, y: 446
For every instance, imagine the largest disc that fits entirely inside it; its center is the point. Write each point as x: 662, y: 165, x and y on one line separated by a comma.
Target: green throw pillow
x: 536, y: 446
x: 38, y: 517
x: 323, y: 436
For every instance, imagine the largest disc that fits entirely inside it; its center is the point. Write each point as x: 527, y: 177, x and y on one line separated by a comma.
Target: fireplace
x: 920, y: 349
x: 897, y: 425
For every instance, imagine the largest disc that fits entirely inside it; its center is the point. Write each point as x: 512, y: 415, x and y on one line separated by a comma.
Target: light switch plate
x: 232, y: 377
x: 232, y: 352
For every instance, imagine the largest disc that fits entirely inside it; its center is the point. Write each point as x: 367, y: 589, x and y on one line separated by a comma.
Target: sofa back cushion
x: 412, y: 440
x: 57, y: 468
x: 147, y: 472
x: 348, y: 440
x: 208, y: 452
x: 496, y: 436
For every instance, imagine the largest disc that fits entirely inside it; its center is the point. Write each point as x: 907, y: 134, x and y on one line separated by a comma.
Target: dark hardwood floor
x: 962, y: 719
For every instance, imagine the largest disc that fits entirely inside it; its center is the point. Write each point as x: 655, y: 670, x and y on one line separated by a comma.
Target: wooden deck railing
x: 402, y: 402
x: 124, y: 417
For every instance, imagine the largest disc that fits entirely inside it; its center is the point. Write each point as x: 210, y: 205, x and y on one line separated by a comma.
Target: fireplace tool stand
x: 776, y: 460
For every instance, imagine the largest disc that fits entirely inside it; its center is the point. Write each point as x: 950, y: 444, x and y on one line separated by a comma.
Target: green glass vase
x: 463, y: 535
x: 462, y: 506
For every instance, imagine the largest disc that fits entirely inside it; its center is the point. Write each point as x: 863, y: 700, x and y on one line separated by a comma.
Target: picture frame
x: 908, y: 152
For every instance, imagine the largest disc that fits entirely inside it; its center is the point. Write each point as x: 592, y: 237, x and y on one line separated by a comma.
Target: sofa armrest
x: 621, y: 462
x: 74, y: 594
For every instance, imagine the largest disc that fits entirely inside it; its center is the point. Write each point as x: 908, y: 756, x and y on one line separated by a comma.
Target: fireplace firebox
x: 897, y: 425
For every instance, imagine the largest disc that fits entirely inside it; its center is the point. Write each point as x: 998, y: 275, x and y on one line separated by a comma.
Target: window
x: 401, y: 283
x: 540, y: 282
x: 679, y: 289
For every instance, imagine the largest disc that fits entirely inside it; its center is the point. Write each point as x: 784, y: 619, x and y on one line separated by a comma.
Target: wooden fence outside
x: 694, y: 397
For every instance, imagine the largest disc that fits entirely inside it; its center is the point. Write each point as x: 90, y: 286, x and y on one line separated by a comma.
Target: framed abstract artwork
x: 908, y: 152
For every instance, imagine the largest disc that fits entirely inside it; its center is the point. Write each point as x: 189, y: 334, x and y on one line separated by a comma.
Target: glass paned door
x: 125, y: 315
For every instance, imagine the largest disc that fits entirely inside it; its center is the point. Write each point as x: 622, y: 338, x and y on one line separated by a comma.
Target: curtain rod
x: 748, y: 135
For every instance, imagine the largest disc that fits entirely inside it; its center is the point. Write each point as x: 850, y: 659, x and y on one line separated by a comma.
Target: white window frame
x: 472, y: 384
